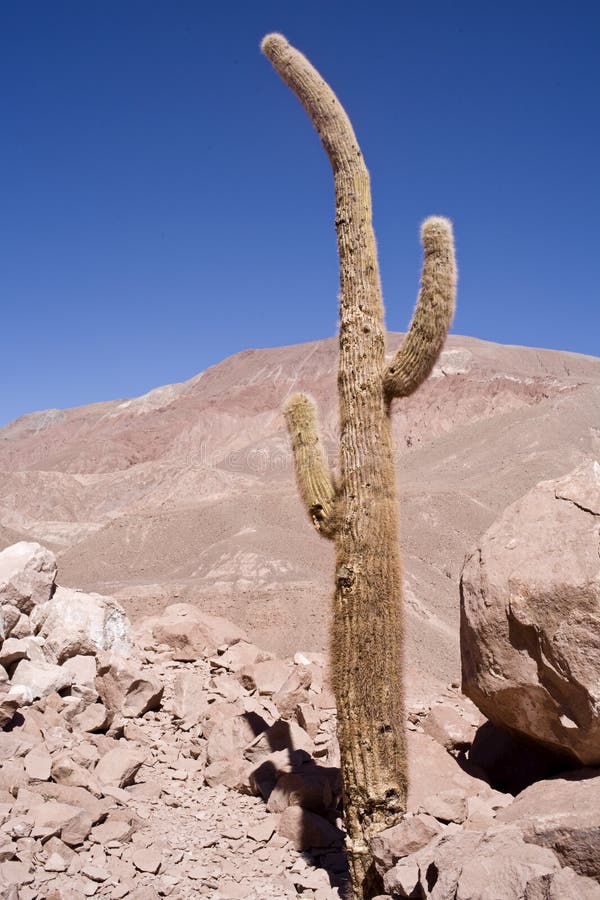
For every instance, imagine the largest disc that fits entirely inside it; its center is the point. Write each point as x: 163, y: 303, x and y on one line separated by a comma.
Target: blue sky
x: 164, y: 201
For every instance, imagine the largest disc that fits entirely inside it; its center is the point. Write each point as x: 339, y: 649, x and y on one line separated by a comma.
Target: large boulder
x: 530, y: 617
x: 27, y: 573
x: 189, y: 632
x: 73, y: 623
x: 562, y: 814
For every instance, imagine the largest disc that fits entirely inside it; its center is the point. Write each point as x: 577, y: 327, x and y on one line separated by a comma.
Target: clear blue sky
x: 164, y: 201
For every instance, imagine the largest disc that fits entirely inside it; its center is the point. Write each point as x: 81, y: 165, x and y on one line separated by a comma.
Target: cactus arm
x: 313, y: 477
x: 433, y: 313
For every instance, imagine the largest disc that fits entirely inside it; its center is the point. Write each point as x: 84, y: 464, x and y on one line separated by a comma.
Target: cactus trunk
x: 358, y: 510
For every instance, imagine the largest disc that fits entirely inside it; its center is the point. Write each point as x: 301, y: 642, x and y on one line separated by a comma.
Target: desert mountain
x: 187, y: 493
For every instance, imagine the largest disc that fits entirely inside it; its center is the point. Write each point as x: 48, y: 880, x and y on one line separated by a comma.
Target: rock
x: 562, y: 814
x: 9, y: 616
x: 232, y: 735
x: 447, y: 806
x: 305, y: 829
x: 293, y: 692
x: 562, y: 885
x: 282, y: 735
x: 8, y: 707
x: 38, y: 763
x: 403, y: 881
x: 147, y: 860
x: 42, y: 678
x: 310, y: 790
x: 409, y: 835
x: 94, y: 717
x: 452, y: 727
x: 191, y: 633
x: 468, y: 865
x: 125, y: 689
x: 242, y: 654
x: 233, y: 773
x: 27, y: 573
x: 13, y: 649
x: 77, y: 624
x: 118, y: 767
x: 309, y: 718
x: 83, y: 677
x: 432, y: 770
x: 530, y: 642
x: 72, y: 823
x: 189, y: 697
x: 266, y: 677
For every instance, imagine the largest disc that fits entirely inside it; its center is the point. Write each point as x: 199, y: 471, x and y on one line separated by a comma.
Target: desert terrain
x: 187, y: 493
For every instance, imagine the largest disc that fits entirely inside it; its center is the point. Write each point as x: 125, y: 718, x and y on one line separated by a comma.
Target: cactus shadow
x: 316, y: 836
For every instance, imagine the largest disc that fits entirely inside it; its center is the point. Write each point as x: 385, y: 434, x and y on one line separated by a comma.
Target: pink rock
x: 119, y: 767
x: 233, y: 735
x: 77, y: 624
x: 562, y: 814
x: 530, y: 642
x: 27, y: 573
x: 432, y: 770
x: 447, y: 806
x: 72, y: 823
x: 42, y: 678
x: 452, y: 727
x: 125, y: 689
x: 94, y: 717
x: 242, y: 654
x: 38, y: 763
x: 189, y: 697
x: 305, y: 829
x: 266, y: 677
x: 187, y: 629
x: 310, y: 790
x: 282, y: 735
x: 408, y: 836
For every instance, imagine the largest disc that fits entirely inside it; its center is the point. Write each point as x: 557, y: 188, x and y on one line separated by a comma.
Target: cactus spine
x: 360, y: 512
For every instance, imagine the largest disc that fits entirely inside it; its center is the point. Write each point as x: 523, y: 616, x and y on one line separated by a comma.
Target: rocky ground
x: 181, y: 760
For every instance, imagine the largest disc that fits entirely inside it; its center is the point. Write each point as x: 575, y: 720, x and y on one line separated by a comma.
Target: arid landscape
x: 187, y: 494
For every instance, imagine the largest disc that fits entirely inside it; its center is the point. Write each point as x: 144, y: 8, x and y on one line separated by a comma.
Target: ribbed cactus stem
x: 313, y: 476
x: 367, y: 626
x: 433, y: 313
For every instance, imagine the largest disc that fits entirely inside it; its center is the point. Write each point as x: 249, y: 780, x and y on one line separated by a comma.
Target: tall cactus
x: 358, y: 511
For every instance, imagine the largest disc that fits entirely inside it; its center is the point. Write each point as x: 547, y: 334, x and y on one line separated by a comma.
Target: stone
x: 282, y: 735
x: 74, y: 623
x: 309, y: 718
x: 233, y: 773
x: 310, y: 790
x: 42, y: 678
x: 27, y: 573
x: 469, y: 865
x: 191, y: 633
x: 403, y: 881
x: 409, y: 835
x: 242, y: 654
x: 94, y: 717
x: 452, y: 727
x: 530, y: 641
x: 71, y: 823
x: 266, y: 677
x: 9, y: 616
x: 306, y: 830
x: 447, y: 806
x: 562, y: 814
x: 147, y: 860
x: 125, y: 689
x: 13, y: 649
x: 190, y: 699
x: 562, y: 885
x: 119, y: 767
x: 38, y: 763
x: 292, y: 692
x: 232, y: 735
x: 432, y: 770
x: 82, y: 670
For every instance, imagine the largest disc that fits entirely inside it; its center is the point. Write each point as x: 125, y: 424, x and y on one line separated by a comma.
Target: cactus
x: 359, y: 510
